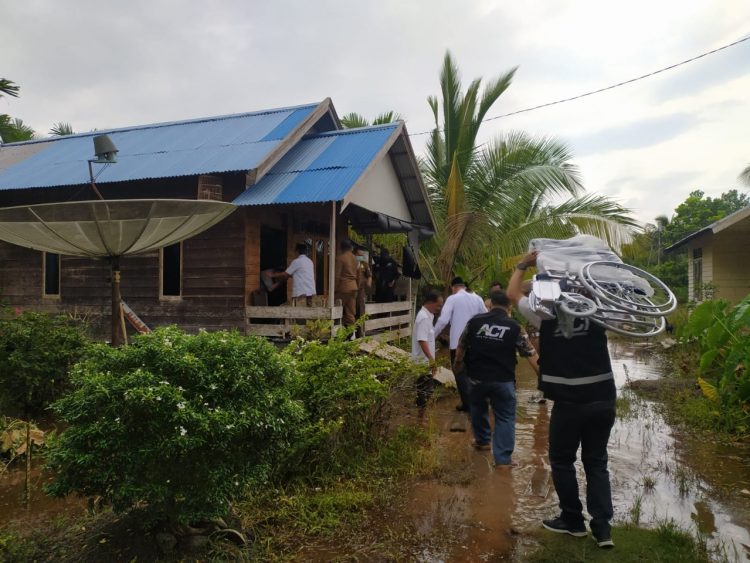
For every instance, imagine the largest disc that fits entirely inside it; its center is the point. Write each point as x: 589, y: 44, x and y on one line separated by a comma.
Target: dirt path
x: 481, y: 507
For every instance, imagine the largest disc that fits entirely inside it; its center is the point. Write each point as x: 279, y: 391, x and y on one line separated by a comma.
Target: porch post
x: 332, y: 257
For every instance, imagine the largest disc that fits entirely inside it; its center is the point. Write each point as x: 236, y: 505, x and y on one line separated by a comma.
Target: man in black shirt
x: 577, y: 375
x: 487, y: 349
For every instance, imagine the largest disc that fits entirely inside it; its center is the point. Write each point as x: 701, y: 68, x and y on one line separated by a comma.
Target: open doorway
x: 273, y: 257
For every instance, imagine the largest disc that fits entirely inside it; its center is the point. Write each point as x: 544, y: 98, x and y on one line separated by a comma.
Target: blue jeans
x: 502, y: 399
x: 587, y: 426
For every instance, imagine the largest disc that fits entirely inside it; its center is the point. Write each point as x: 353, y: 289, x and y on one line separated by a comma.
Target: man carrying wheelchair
x: 577, y: 375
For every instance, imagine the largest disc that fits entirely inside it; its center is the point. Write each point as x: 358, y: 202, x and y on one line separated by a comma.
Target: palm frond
x: 61, y: 129
x: 353, y: 120
x: 8, y: 88
x: 387, y: 117
x: 745, y: 176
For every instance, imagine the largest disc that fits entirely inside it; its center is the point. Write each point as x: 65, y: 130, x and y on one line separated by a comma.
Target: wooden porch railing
x: 386, y: 321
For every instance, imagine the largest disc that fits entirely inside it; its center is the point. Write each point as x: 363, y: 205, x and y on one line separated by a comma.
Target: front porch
x: 385, y: 321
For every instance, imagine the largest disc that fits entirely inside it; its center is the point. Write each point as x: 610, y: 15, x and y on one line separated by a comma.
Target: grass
x: 288, y: 519
x: 667, y: 543
x: 279, y: 521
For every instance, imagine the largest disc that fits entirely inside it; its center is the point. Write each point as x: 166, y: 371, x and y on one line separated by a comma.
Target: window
x: 51, y: 274
x: 171, y: 270
x: 698, y: 274
x: 210, y: 187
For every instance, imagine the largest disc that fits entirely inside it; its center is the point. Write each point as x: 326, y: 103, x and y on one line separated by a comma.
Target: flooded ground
x: 657, y: 473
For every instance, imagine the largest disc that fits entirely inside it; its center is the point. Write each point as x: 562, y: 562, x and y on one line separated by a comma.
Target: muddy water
x: 657, y: 474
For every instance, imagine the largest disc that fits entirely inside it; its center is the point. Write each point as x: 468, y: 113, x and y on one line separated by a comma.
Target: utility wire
x: 610, y: 87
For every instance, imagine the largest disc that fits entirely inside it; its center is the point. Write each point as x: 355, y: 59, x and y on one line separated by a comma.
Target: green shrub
x: 181, y: 423
x: 345, y: 393
x: 723, y: 334
x: 36, y: 352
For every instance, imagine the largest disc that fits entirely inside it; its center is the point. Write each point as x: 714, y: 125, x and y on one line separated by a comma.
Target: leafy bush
x: 723, y: 335
x: 345, y: 393
x: 36, y: 352
x: 181, y: 423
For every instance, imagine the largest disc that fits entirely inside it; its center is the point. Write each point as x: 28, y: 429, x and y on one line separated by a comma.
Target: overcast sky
x: 98, y: 64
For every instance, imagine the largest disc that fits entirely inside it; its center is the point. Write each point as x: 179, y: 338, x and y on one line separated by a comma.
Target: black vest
x: 491, y: 346
x: 577, y: 369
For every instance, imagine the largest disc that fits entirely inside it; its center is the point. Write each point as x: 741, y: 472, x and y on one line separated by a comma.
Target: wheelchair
x: 619, y: 297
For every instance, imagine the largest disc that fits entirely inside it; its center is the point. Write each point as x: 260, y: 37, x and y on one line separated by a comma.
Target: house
x: 295, y: 176
x: 719, y: 258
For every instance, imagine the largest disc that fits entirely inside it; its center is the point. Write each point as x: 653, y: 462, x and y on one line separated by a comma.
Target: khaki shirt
x: 347, y: 272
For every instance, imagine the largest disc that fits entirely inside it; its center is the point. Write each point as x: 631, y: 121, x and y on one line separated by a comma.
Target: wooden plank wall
x: 213, y: 276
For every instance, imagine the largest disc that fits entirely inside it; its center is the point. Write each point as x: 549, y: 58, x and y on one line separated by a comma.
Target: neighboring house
x: 295, y: 175
x: 719, y: 259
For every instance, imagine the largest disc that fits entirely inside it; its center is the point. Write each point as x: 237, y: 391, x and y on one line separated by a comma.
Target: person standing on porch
x: 346, y: 281
x: 303, y: 275
x: 458, y: 309
x: 364, y: 281
x: 576, y: 373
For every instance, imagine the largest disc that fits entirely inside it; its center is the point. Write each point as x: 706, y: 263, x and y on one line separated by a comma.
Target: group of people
x: 575, y: 373
x: 353, y: 278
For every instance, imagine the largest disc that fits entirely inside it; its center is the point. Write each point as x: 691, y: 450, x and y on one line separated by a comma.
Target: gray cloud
x: 640, y: 134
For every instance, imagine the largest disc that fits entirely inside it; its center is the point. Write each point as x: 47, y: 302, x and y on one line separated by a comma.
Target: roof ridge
x: 368, y: 128
x: 162, y: 124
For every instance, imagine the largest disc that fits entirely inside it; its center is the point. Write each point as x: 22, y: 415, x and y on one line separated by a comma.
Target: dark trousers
x: 587, y: 425
x: 425, y: 386
x: 463, y: 384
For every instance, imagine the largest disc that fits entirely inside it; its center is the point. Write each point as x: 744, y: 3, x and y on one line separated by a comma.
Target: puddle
x: 659, y: 472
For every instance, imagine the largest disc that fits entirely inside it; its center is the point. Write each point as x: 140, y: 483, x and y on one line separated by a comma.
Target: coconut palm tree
x: 490, y: 199
x: 353, y: 120
x: 61, y: 129
x: 745, y: 176
x: 8, y: 88
x: 12, y: 130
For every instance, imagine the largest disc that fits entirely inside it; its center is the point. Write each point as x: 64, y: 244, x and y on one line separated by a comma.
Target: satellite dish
x: 109, y: 229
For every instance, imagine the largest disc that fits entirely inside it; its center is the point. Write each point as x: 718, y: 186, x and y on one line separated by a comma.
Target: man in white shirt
x: 303, y: 275
x: 457, y: 311
x: 423, y: 344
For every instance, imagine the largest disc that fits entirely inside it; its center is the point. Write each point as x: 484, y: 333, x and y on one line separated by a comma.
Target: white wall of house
x: 725, y: 263
x: 731, y: 264
x: 381, y: 191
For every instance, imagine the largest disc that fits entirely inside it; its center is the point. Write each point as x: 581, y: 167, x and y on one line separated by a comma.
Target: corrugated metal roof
x: 320, y: 168
x: 237, y: 142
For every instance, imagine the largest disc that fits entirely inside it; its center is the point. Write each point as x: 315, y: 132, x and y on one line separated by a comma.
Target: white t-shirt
x: 303, y: 276
x: 525, y: 309
x: 424, y: 331
x: 457, y: 311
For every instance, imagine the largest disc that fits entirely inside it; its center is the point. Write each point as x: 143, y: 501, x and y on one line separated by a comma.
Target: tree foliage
x: 698, y: 211
x: 353, y: 120
x: 491, y: 199
x: 61, y: 129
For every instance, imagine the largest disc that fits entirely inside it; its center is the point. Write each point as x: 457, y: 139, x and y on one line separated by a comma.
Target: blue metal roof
x: 237, y: 142
x: 320, y: 168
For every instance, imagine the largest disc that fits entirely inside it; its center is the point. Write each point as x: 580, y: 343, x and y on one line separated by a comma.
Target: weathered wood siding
x: 731, y: 264
x: 213, y: 269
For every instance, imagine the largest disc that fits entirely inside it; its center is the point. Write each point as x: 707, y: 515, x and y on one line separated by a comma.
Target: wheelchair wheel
x: 577, y: 305
x: 630, y: 325
x: 629, y: 295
